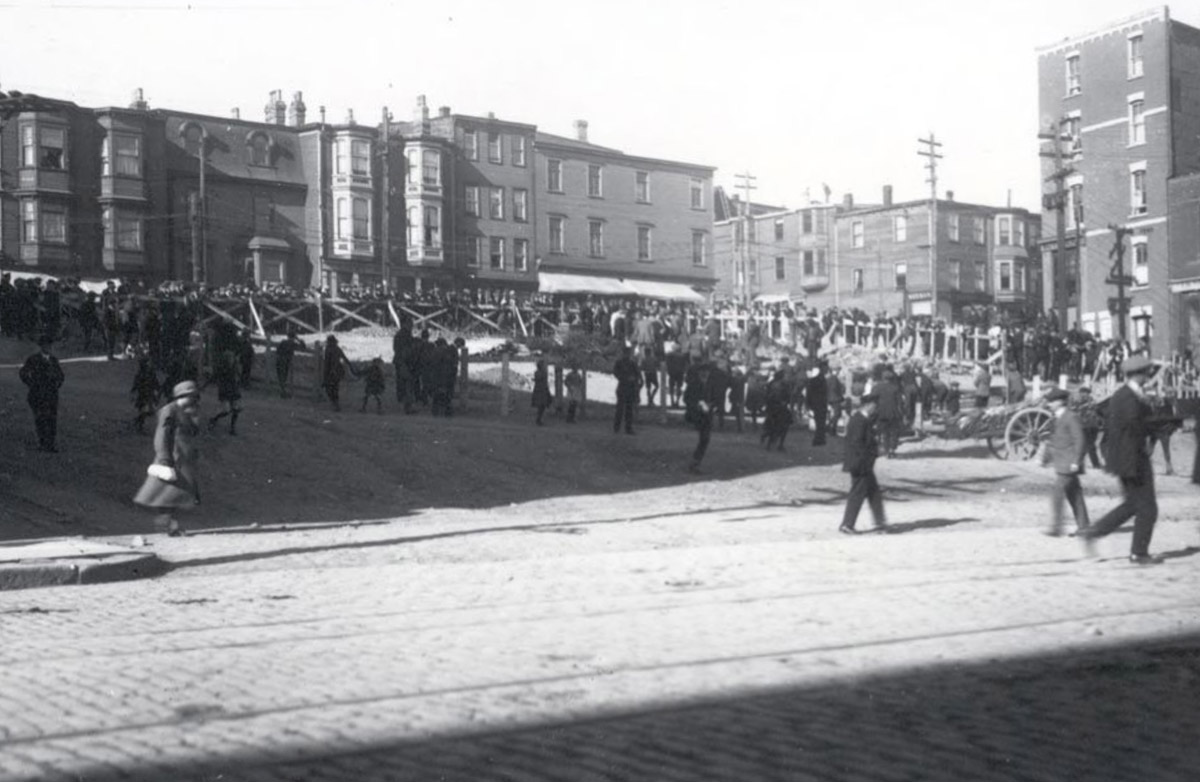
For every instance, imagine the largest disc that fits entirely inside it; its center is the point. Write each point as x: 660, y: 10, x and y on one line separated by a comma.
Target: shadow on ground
x: 1123, y: 713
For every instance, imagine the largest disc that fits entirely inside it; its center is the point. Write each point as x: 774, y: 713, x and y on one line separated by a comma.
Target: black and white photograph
x: 581, y: 391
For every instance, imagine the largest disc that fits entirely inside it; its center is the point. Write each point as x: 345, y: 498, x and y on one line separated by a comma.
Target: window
x: 496, y: 252
x: 754, y: 270
x: 1073, y: 83
x: 1019, y: 232
x: 260, y: 150
x: 955, y: 274
x: 431, y: 167
x: 778, y: 230
x: 738, y: 234
x: 362, y: 219
x: 470, y: 144
x: 360, y: 157
x: 520, y: 205
x: 474, y: 250
x: 343, y: 218
x: 193, y: 138
x: 557, y: 226
x: 807, y: 264
x: 471, y: 200
x: 411, y: 159
x: 521, y: 255
x: 699, y: 248
x: 697, y: 193
x: 495, y: 152
x: 1072, y: 127
x: 596, y: 238
x: 28, y: 147
x: 900, y: 226
x: 1141, y: 260
x: 433, y: 227
x: 121, y: 231
x: 980, y: 231
x: 856, y: 234
x: 52, y: 148
x: 780, y: 268
x: 1003, y: 231
x: 981, y: 275
x: 414, y: 234
x: 856, y: 277
x: 952, y: 227
x: 518, y: 151
x: 641, y: 188
x: 595, y: 181
x: 643, y: 242
x: 1135, y: 56
x: 1006, y: 281
x: 29, y: 215
x: 496, y: 203
x: 126, y: 151
x: 554, y: 181
x: 1137, y: 190
x: 1075, y: 202
x: 806, y: 221
x: 1137, y: 121
x: 901, y: 272
x: 822, y: 267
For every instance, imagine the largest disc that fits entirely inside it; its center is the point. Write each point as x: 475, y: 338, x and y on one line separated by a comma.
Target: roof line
x: 1149, y: 15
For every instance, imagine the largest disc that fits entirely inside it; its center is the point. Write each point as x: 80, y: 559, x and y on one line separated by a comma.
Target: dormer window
x: 43, y: 147
x: 193, y: 138
x: 258, y: 147
x: 121, y: 155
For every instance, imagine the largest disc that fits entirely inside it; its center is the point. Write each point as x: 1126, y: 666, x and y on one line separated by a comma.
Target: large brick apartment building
x: 1127, y: 98
x: 446, y: 200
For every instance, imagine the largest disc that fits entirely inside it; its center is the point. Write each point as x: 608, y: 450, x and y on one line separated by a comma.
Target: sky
x: 798, y: 94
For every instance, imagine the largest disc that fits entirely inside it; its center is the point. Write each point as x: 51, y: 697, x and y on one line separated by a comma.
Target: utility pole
x: 197, y: 241
x: 1119, y: 306
x: 931, y: 152
x: 200, y: 218
x: 746, y: 183
x: 1058, y: 202
x: 386, y: 202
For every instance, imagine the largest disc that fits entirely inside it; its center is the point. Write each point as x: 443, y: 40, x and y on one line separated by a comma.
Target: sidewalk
x: 39, y: 563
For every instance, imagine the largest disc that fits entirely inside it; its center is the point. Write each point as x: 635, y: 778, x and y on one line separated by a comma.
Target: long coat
x: 44, y: 377
x: 173, y: 446
x: 1068, y: 446
x: 862, y: 446
x: 1126, y: 433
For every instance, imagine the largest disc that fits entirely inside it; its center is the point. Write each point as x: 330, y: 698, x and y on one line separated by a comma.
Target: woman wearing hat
x: 170, y: 483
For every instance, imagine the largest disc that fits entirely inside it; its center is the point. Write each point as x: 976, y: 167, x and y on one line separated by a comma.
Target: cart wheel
x: 1026, y: 431
x: 998, y: 447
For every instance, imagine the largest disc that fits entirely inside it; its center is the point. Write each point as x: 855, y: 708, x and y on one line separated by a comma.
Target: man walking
x: 44, y: 377
x: 862, y: 447
x: 1128, y: 457
x: 1066, y: 451
x: 698, y: 409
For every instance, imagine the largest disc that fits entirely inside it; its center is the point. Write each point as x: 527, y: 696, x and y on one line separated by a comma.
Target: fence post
x: 558, y: 387
x: 463, y: 376
x: 505, y: 392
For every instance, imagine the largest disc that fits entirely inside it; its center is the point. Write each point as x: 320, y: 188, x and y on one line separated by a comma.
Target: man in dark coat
x: 404, y: 349
x: 285, y: 353
x: 1126, y: 435
x: 861, y: 449
x: 44, y: 377
x: 625, y: 370
x: 816, y: 395
x: 890, y: 405
x: 698, y: 410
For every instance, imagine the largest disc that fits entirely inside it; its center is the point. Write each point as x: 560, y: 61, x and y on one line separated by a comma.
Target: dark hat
x: 1057, y: 395
x: 1137, y: 365
x: 186, y: 388
x: 45, y: 339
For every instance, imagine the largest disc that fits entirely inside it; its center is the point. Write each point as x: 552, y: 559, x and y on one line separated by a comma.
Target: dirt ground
x: 296, y: 461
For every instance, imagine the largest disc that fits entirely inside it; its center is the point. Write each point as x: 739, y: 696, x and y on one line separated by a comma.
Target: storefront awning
x: 668, y: 291
x: 551, y: 282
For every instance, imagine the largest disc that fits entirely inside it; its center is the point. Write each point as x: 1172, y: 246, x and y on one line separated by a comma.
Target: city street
x: 574, y: 639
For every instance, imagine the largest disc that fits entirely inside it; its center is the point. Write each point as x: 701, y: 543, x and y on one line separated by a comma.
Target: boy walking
x: 1066, y: 451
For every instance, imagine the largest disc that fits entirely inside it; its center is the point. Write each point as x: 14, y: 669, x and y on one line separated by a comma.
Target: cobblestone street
x: 678, y: 646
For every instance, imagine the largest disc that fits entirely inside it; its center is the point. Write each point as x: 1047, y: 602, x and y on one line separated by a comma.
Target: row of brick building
x: 447, y: 200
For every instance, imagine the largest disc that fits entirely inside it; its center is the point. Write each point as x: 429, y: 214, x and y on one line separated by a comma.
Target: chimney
x: 848, y: 201
x: 887, y: 195
x: 275, y: 112
x: 581, y: 129
x: 949, y: 195
x: 235, y: 112
x: 491, y: 115
x: 139, y: 101
x: 349, y: 116
x: 321, y: 111
x: 297, y: 110
x: 443, y: 111
x: 421, y: 112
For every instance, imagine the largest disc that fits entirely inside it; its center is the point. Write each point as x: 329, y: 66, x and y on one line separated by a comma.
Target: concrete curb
x: 44, y: 573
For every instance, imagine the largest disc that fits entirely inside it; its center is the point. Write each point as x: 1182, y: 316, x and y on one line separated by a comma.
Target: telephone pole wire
x: 930, y: 151
x: 1058, y: 202
x: 746, y: 184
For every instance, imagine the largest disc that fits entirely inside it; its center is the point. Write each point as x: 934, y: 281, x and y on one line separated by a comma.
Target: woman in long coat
x: 170, y: 483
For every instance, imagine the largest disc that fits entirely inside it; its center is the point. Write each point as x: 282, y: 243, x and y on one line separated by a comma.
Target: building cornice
x: 1157, y: 13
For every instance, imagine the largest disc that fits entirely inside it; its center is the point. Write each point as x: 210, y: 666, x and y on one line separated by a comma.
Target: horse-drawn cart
x: 1013, y: 431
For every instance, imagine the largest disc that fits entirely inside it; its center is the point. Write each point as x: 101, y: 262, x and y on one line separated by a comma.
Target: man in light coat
x: 1066, y: 451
